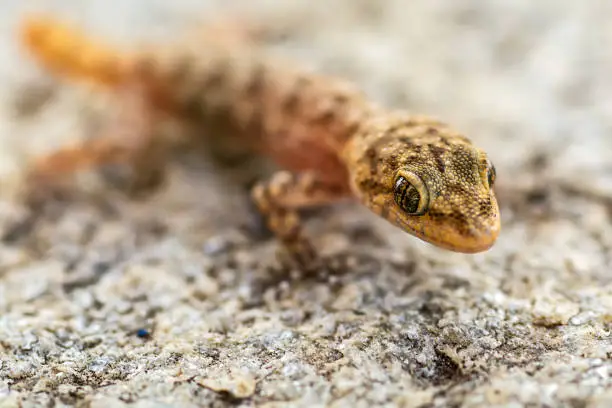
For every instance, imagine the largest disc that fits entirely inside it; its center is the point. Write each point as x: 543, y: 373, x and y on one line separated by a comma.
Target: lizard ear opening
x: 410, y: 193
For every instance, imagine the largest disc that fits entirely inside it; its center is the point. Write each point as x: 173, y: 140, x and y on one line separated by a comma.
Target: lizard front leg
x: 279, y: 199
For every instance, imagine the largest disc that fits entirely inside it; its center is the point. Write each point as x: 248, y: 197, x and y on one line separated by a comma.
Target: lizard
x: 332, y: 142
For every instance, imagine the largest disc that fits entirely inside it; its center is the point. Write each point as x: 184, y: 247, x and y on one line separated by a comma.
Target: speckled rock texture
x: 170, y: 300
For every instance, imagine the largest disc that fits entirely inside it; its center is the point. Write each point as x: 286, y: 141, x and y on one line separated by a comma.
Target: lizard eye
x: 411, y: 194
x: 487, y: 172
x: 491, y: 174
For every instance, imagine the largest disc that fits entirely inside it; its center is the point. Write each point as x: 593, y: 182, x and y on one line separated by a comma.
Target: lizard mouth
x: 468, y: 240
x: 476, y: 241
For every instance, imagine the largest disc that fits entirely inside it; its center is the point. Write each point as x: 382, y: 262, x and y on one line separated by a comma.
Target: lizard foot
x: 279, y: 200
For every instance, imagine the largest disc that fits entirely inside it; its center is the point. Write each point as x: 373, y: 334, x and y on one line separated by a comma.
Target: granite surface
x: 171, y: 301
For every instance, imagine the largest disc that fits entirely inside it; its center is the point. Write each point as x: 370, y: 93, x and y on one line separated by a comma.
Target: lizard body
x: 333, y: 143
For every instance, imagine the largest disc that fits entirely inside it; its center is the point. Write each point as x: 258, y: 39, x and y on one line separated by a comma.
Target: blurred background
x: 534, y: 73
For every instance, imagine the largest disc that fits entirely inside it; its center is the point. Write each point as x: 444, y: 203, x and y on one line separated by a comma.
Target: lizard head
x: 427, y: 180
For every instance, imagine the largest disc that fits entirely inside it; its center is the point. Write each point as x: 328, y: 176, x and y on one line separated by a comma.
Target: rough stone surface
x: 167, y: 301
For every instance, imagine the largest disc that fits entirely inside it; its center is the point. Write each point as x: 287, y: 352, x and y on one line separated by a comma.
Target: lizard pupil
x: 406, y: 196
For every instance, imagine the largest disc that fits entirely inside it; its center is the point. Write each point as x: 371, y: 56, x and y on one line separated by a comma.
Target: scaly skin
x: 414, y: 171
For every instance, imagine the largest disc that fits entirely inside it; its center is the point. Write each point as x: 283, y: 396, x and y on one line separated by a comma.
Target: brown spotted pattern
x: 332, y: 142
x: 462, y: 214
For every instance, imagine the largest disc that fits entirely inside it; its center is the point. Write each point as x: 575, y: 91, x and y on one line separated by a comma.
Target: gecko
x: 331, y: 141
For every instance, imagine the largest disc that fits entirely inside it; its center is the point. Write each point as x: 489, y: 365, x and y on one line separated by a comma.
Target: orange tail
x: 68, y: 52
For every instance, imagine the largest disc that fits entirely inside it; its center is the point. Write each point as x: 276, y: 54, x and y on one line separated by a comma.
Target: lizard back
x: 299, y: 119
